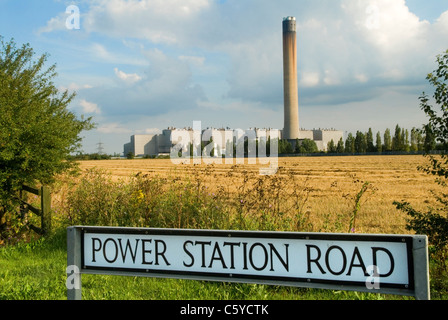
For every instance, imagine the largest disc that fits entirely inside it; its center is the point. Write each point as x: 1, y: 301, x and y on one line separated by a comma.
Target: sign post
x: 393, y: 264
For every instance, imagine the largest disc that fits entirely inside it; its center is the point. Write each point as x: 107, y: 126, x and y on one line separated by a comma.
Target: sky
x: 138, y: 67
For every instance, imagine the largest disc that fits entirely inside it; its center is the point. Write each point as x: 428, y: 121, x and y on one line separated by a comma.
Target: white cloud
x: 129, y: 78
x: 54, y: 24
x: 113, y: 128
x: 194, y: 60
x: 362, y: 78
x: 331, y: 77
x: 89, y: 107
x: 309, y: 79
x: 166, y: 85
x: 156, y: 20
x: 75, y: 87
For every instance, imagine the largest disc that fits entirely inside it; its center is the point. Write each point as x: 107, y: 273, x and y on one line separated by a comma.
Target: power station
x: 157, y: 144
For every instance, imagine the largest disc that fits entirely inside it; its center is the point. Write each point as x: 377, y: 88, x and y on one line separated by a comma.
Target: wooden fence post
x: 45, y: 199
x: 45, y: 207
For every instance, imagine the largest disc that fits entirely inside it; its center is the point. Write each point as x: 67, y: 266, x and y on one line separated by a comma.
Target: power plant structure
x: 290, y: 87
x: 158, y: 144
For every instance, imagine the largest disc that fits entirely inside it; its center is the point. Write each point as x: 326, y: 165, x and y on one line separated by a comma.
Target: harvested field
x: 329, y: 184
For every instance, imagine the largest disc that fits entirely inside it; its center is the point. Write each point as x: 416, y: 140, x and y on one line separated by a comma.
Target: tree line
x: 402, y: 140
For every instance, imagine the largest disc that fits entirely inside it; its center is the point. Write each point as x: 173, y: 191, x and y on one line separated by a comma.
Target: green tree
x: 130, y: 155
x: 350, y: 143
x: 387, y: 140
x: 434, y: 222
x: 430, y: 139
x: 360, y: 142
x: 397, y: 140
x: 414, y: 140
x: 379, y: 146
x: 331, y: 147
x: 308, y: 146
x: 285, y: 147
x: 420, y: 141
x: 406, y: 143
x: 369, y: 140
x: 37, y: 130
x: 340, y: 146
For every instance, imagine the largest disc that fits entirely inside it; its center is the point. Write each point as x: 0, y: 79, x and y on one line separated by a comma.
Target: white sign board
x: 321, y: 260
x: 342, y: 259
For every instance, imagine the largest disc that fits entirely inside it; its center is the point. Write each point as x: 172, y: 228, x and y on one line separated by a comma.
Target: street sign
x: 375, y: 263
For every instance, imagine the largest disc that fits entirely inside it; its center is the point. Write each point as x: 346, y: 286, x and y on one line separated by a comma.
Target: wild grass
x: 319, y: 192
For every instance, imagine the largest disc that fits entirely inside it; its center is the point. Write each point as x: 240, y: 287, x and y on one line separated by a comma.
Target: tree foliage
x: 37, y: 130
x: 434, y: 222
x: 308, y: 146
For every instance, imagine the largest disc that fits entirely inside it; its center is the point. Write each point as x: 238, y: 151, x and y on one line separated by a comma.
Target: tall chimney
x: 291, y: 96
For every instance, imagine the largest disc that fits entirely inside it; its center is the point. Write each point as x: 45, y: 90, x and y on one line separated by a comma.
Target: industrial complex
x: 157, y: 144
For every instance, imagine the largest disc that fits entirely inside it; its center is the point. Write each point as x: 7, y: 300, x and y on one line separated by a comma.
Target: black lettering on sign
x: 128, y: 247
x: 95, y: 248
x: 161, y: 253
x: 315, y: 260
x: 189, y: 254
x: 105, y: 250
x: 361, y: 264
x: 391, y: 258
x: 314, y: 255
x: 232, y: 252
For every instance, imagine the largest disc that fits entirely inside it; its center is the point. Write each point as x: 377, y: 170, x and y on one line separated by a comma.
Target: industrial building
x: 157, y: 144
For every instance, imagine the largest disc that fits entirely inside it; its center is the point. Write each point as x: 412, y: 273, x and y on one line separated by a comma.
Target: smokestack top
x: 289, y: 24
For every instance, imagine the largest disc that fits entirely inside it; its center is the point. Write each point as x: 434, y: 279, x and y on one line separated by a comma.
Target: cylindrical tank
x: 290, y: 87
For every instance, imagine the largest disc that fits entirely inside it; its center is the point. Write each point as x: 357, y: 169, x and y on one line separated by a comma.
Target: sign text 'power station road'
x: 241, y: 255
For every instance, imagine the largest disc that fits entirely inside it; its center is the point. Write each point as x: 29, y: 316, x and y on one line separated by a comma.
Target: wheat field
x: 331, y: 185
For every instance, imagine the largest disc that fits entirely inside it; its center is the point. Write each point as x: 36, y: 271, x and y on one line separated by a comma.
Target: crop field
x: 325, y: 186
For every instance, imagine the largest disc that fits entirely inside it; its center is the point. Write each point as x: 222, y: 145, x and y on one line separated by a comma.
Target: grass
x: 325, y: 194
x: 36, y: 271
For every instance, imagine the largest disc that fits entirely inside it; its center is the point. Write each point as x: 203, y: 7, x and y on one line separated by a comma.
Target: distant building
x: 149, y: 144
x: 322, y: 137
x: 161, y: 144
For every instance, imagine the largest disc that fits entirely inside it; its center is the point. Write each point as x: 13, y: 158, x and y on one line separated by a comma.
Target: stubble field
x: 327, y: 186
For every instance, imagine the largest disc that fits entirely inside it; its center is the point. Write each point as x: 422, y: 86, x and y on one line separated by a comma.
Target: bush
x: 260, y: 203
x: 142, y: 201
x: 434, y: 222
x: 37, y: 130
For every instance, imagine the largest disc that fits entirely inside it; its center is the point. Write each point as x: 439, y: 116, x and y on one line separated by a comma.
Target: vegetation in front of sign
x: 174, y: 201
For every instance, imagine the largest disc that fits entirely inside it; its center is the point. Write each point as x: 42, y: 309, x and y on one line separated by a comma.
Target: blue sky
x: 141, y: 66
